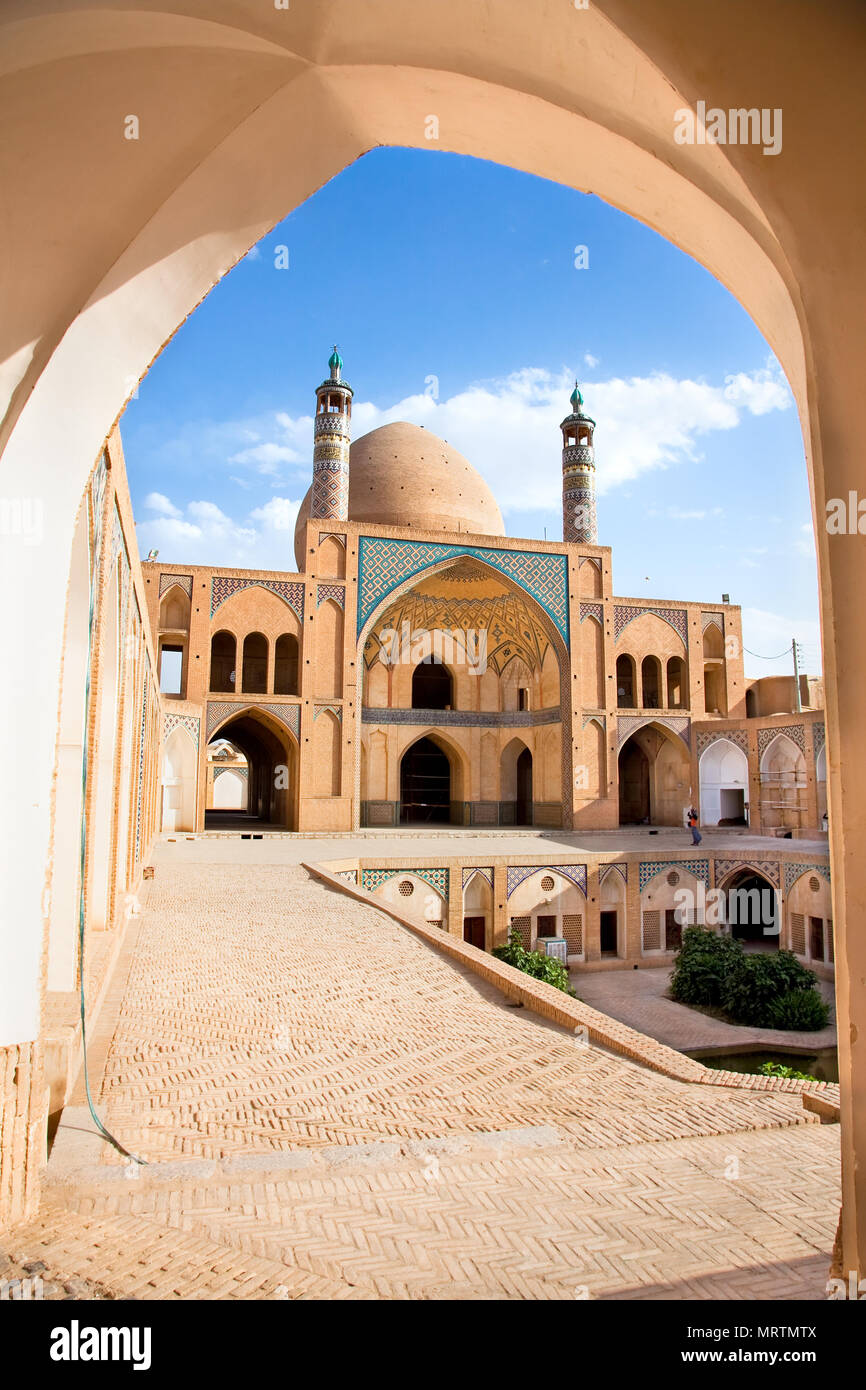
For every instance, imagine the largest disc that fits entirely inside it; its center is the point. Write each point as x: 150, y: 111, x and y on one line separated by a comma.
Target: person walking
x: 693, y: 826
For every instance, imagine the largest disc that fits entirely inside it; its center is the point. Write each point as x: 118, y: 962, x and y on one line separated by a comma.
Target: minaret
x: 331, y: 440
x: 578, y: 475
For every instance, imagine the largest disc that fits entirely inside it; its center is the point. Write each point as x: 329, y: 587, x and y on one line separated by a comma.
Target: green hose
x: 83, y: 847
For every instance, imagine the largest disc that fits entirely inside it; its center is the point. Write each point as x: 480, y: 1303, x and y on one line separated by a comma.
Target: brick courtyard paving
x: 331, y: 1108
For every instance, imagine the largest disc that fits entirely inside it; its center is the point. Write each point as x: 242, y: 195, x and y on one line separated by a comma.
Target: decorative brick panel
x: 652, y: 931
x: 648, y: 871
x: 572, y: 930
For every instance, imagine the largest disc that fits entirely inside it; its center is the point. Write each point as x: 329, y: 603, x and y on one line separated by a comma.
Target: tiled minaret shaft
x: 331, y: 441
x: 579, y: 522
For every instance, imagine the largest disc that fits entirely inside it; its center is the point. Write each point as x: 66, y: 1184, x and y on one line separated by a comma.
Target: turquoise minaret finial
x: 331, y: 443
x: 579, y: 525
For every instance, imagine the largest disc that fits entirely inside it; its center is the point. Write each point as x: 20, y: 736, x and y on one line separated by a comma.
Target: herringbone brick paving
x: 266, y: 1015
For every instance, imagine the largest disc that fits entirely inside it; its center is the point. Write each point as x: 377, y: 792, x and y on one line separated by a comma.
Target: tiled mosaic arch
x: 559, y: 644
x: 627, y: 724
x: 605, y: 869
x: 384, y: 564
x: 243, y: 772
x: 739, y: 737
x: 770, y: 869
x: 218, y: 710
x: 518, y: 874
x: 699, y: 868
x: 225, y: 586
x: 371, y: 879
x: 795, y: 732
x: 335, y: 591
x: 469, y: 873
x: 190, y: 722
x: 713, y: 620
x: 623, y: 614
x: 819, y: 738
x: 795, y: 871
x: 168, y: 581
x: 335, y: 710
x: 592, y: 610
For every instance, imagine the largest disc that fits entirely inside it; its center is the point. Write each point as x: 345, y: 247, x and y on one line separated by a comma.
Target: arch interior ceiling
x: 467, y: 597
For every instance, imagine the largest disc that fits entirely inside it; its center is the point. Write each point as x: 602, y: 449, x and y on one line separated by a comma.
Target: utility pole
x: 798, y: 706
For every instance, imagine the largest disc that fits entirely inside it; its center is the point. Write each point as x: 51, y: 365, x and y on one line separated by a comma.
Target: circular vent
x: 407, y: 888
x: 673, y: 878
x: 814, y: 884
x: 547, y: 883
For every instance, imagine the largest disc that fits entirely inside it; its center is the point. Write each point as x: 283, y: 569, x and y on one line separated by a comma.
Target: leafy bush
x: 534, y: 963
x: 779, y: 1069
x: 702, y: 965
x: 759, y: 982
x: 802, y: 1010
x: 764, y: 991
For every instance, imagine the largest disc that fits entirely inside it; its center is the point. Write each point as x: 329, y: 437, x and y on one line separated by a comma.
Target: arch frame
x: 722, y: 199
x: 279, y: 730
x: 452, y: 751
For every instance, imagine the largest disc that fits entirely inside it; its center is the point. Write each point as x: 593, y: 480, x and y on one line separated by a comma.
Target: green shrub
x: 702, y: 965
x: 534, y: 963
x: 801, y: 1010
x: 757, y: 983
x: 762, y: 990
x: 779, y: 1069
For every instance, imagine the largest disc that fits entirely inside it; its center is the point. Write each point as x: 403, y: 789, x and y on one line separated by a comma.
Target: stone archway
x: 272, y: 773
x: 653, y: 768
x: 425, y: 784
x: 79, y: 330
x: 752, y: 910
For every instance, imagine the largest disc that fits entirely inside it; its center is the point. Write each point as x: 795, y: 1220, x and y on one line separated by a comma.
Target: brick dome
x: 402, y: 475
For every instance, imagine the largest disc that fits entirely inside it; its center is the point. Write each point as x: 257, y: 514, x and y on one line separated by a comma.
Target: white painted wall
x: 722, y: 765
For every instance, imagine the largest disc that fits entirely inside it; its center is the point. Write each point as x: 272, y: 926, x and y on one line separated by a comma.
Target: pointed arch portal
x: 81, y: 328
x: 272, y: 795
x: 425, y: 785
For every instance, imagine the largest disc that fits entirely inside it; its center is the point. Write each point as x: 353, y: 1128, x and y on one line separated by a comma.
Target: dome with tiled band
x: 402, y: 475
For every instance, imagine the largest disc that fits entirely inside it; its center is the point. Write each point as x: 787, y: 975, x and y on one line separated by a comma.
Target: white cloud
x: 758, y: 392
x: 508, y: 426
x: 589, y: 360
x: 206, y: 535
x: 508, y: 429
x: 280, y: 514
x: 157, y: 502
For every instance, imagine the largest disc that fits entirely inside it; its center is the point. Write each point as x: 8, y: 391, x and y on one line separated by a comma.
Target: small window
x: 523, y: 697
x: 171, y: 670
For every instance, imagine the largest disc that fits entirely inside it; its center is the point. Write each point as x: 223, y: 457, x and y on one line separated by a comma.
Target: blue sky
x: 450, y: 285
